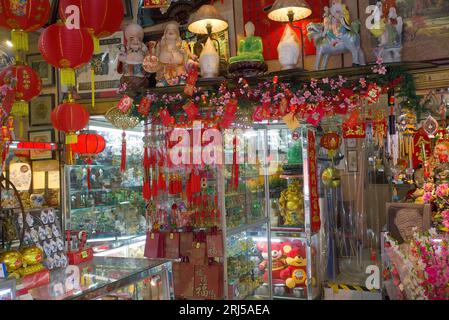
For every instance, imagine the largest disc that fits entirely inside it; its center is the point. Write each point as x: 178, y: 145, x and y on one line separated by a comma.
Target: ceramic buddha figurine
x: 250, y: 48
x: 289, y: 49
x: 170, y: 57
x: 131, y: 59
x: 249, y: 60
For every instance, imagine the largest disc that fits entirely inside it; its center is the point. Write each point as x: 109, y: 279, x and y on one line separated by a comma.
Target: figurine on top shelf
x: 169, y: 58
x: 131, y: 59
x: 249, y: 60
x: 336, y: 35
x: 289, y: 49
x: 388, y: 32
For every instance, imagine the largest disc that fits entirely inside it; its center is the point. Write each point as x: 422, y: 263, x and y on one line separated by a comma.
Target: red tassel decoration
x: 146, y: 159
x: 171, y: 189
x: 146, y: 193
x: 189, y: 191
x: 179, y: 184
x: 196, y: 181
x: 154, y: 189
x: 161, y: 184
x: 123, y: 162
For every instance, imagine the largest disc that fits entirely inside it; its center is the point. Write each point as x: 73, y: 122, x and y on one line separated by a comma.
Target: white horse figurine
x: 326, y: 46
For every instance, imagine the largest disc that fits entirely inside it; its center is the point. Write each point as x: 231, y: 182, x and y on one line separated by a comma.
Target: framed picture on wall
x: 41, y: 136
x: 40, y: 110
x: 107, y: 79
x: 45, y: 70
x: 353, y: 161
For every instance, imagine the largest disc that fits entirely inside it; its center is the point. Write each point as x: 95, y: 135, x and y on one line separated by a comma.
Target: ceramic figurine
x: 209, y: 61
x: 289, y: 49
x: 169, y: 57
x: 131, y: 59
x: 389, y: 33
x: 249, y: 60
x: 336, y: 35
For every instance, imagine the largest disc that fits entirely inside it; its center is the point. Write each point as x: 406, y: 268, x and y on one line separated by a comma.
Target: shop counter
x: 110, y: 278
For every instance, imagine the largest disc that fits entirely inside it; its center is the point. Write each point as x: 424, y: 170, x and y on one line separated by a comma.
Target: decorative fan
x: 124, y: 121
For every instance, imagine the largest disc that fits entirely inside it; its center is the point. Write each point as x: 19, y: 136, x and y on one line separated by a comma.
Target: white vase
x: 209, y: 61
x: 289, y: 49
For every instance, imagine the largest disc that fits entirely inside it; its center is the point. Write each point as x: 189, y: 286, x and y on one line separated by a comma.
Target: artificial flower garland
x: 273, y: 100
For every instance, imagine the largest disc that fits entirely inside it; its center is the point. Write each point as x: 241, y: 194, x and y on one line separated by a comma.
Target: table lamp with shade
x: 207, y: 21
x: 290, y: 11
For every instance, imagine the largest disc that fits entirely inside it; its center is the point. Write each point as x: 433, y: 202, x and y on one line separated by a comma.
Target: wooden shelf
x: 286, y: 75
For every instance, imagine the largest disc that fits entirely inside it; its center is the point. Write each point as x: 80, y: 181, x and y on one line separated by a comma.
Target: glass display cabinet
x: 246, y: 226
x: 110, y: 278
x: 292, y: 203
x: 112, y: 209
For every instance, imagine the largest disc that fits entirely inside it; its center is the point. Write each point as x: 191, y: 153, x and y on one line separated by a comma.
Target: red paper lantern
x: 28, y: 83
x: 66, y: 49
x: 70, y: 117
x: 22, y: 17
x: 101, y: 17
x: 89, y: 145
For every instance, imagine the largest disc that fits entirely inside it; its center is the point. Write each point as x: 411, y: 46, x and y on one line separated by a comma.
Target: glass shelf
x: 104, y: 275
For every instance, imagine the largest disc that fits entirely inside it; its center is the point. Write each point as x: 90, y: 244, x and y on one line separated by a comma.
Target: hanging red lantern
x: 66, y: 49
x: 70, y: 117
x: 27, y: 85
x: 99, y: 25
x: 89, y: 145
x: 23, y: 17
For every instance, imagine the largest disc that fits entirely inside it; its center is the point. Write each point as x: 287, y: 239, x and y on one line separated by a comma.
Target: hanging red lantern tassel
x: 146, y: 192
x: 196, y: 181
x: 123, y: 162
x: 161, y: 184
x: 154, y: 190
x: 88, y: 173
x: 189, y: 191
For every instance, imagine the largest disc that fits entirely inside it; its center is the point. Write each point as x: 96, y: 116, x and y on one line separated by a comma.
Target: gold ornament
x: 124, y: 121
x: 331, y: 178
x: 32, y: 255
x: 291, y: 204
x: 12, y: 259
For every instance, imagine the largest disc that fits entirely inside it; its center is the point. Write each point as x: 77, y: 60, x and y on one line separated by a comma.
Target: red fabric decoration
x: 125, y: 104
x: 27, y: 16
x: 101, y: 17
x: 28, y: 84
x: 145, y: 106
x: 167, y: 119
x: 191, y: 109
x: 354, y: 127
x: 89, y: 145
x: 65, y: 48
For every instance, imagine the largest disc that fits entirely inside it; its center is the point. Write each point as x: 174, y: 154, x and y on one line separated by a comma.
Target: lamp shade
x: 289, y: 10
x: 207, y: 20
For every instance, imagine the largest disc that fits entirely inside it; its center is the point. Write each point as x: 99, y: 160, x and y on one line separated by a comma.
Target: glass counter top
x: 101, y: 276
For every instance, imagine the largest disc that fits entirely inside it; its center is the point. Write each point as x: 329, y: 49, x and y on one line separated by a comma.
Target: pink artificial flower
x: 442, y: 190
x: 427, y: 197
x: 325, y: 80
x: 307, y: 94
